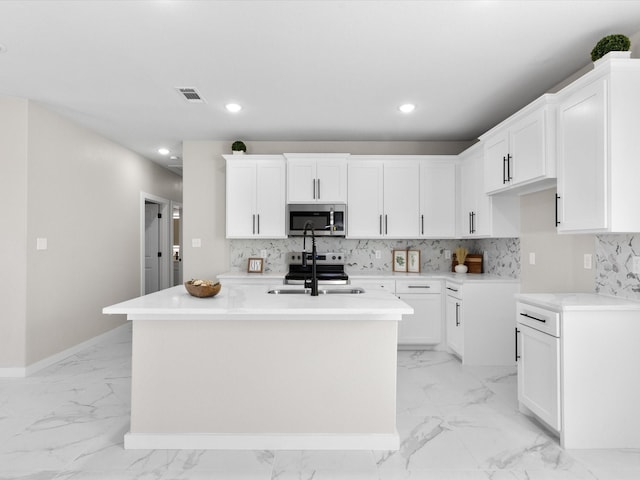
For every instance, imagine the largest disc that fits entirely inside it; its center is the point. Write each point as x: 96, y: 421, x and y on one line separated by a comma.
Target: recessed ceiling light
x: 407, y: 108
x: 163, y: 151
x: 233, y: 107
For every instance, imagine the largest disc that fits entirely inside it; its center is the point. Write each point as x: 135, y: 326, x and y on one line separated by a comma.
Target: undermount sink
x: 321, y: 291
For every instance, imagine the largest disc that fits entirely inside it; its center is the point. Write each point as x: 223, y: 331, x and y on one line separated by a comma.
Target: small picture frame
x: 413, y: 261
x: 399, y: 260
x: 255, y: 265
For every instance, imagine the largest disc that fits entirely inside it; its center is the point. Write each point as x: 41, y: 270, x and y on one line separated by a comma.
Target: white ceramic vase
x: 461, y: 268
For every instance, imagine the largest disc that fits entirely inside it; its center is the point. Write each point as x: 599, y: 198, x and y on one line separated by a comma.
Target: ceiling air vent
x: 190, y: 94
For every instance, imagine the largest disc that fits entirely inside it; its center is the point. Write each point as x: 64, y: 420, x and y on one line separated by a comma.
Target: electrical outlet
x: 532, y: 258
x: 41, y: 243
x: 447, y: 254
x: 636, y: 265
x: 378, y: 254
x: 588, y: 261
x: 263, y: 253
x: 196, y: 242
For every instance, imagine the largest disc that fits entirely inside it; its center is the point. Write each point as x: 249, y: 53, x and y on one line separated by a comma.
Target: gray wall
x: 81, y: 192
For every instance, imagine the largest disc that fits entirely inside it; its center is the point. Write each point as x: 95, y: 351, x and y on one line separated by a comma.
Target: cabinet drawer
x: 540, y: 319
x: 418, y: 286
x: 454, y: 290
x: 375, y: 285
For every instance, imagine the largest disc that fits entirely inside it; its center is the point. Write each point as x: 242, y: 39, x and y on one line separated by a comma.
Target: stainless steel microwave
x: 326, y: 220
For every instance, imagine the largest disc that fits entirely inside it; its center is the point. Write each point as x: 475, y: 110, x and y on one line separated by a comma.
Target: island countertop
x: 252, y: 302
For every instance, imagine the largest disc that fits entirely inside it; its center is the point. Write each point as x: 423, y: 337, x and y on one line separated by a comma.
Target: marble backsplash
x: 501, y: 255
x: 614, y: 265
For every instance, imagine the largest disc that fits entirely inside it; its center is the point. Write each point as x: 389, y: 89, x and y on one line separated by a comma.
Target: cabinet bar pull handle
x: 314, y: 188
x: 419, y: 286
x: 258, y: 218
x: 470, y: 231
x: 557, y: 220
x: 457, y: 314
x: 318, y: 180
x: 380, y: 224
x: 386, y: 225
x: 504, y: 170
x: 253, y: 223
x: 509, y: 177
x: 517, y: 356
x: 473, y: 222
x: 533, y: 318
x: 452, y: 289
x: 422, y: 224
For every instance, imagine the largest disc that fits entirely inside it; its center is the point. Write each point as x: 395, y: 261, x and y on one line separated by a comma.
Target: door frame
x: 164, y: 239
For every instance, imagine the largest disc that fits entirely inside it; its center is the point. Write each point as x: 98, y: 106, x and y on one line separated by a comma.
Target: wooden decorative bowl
x: 202, y: 291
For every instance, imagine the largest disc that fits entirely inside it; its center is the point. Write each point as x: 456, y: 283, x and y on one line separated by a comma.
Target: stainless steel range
x: 329, y: 268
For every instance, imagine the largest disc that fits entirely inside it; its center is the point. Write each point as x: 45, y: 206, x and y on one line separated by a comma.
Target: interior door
x: 151, y: 247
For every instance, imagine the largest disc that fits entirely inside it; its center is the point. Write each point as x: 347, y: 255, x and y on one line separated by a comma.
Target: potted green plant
x: 611, y: 43
x: 238, y: 147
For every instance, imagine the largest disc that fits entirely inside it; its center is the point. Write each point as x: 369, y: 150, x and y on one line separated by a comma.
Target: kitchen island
x: 251, y: 370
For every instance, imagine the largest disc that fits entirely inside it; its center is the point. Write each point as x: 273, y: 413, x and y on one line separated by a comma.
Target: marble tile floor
x: 456, y: 423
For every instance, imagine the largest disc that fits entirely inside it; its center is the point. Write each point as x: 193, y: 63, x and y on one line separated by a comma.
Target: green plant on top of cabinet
x: 598, y: 145
x: 255, y: 196
x: 520, y: 152
x: 316, y: 177
x: 384, y: 197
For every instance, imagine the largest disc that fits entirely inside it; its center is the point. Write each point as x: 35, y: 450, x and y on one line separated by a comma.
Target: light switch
x: 196, y: 242
x: 41, y: 243
x: 588, y: 261
x: 532, y: 258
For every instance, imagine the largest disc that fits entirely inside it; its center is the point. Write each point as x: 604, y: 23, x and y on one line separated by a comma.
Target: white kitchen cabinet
x: 383, y: 197
x: 454, y: 323
x: 424, y: 326
x: 579, y: 358
x: 255, y: 196
x: 538, y: 357
x: 438, y: 197
x: 316, y: 178
x: 598, y: 146
x: 520, y: 152
x: 479, y: 214
x: 480, y: 321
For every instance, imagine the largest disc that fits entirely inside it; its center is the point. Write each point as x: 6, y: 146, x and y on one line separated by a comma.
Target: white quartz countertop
x: 577, y: 301
x: 252, y: 302
x: 354, y: 276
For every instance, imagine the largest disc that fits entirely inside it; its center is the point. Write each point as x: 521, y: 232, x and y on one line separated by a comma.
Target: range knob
x: 333, y: 258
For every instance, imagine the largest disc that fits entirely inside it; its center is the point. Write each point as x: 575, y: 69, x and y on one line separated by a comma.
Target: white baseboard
x: 20, y: 372
x: 207, y: 441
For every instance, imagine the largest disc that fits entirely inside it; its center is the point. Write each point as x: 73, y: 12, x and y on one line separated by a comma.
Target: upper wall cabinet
x: 481, y: 215
x: 384, y: 197
x: 520, y: 152
x: 598, y: 145
x: 438, y: 197
x: 256, y: 196
x: 316, y: 178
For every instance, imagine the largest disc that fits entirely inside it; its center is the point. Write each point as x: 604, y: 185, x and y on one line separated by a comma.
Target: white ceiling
x: 303, y: 70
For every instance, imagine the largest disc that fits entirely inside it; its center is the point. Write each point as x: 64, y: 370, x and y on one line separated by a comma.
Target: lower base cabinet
x: 479, y: 319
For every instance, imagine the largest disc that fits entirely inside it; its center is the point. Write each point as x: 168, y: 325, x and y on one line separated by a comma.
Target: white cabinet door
x: 526, y: 159
x: 401, y: 199
x: 454, y: 325
x: 301, y: 183
x: 365, y: 194
x: 423, y: 326
x: 582, y: 160
x: 270, y: 199
x: 241, y: 199
x: 437, y: 198
x: 331, y: 181
x: 256, y: 197
x: 539, y: 374
x: 496, y: 150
